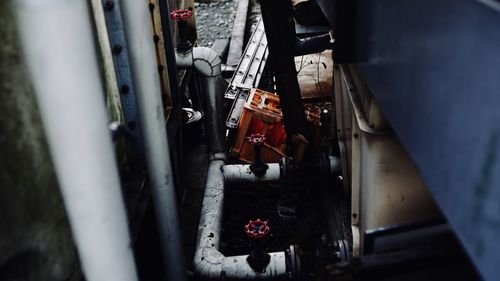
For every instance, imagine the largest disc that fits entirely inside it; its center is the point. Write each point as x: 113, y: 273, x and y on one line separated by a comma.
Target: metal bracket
x: 114, y: 24
x: 247, y: 74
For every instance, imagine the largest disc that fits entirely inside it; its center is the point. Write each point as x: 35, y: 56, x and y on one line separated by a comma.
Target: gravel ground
x: 214, y: 19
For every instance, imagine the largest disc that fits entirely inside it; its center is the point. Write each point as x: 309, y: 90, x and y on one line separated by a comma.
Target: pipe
x: 156, y: 148
x: 208, y: 64
x: 243, y: 174
x: 208, y: 261
x: 64, y: 70
x: 312, y: 45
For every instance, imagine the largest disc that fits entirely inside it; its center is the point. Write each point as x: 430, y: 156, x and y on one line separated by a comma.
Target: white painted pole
x: 59, y: 45
x: 139, y: 31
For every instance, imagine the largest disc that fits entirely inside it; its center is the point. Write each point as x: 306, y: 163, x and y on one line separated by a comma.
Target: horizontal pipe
x: 243, y: 174
x: 312, y: 45
x: 208, y: 261
x: 237, y: 267
x: 63, y: 65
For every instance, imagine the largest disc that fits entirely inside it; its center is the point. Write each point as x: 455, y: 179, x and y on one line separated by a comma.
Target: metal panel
x: 247, y: 74
x: 386, y: 188
x: 434, y: 67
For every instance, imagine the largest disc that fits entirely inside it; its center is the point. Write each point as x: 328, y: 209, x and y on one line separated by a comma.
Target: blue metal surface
x: 434, y: 68
x: 114, y: 24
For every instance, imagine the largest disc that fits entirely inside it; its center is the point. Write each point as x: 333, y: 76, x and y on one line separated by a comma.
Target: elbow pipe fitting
x: 207, y: 63
x: 204, y: 60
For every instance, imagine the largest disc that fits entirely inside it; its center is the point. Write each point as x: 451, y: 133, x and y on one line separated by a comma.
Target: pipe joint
x: 206, y: 61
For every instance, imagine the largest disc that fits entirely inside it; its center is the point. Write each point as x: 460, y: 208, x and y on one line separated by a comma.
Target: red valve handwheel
x: 181, y: 14
x: 257, y: 229
x: 257, y: 139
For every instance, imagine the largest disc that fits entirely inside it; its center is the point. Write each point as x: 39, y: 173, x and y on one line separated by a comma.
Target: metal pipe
x: 243, y: 174
x: 208, y: 261
x: 312, y: 45
x: 75, y: 120
x: 145, y: 74
x: 208, y: 64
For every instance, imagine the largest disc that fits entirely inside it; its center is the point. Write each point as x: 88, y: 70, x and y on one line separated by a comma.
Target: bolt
x: 151, y: 6
x: 160, y: 68
x: 124, y: 89
x: 117, y: 49
x: 109, y: 5
x: 156, y: 39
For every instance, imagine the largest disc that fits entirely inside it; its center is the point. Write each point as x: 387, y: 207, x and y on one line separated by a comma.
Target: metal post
x: 139, y: 32
x: 280, y: 32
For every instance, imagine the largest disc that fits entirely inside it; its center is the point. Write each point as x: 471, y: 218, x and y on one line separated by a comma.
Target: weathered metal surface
x: 233, y: 119
x: 117, y: 40
x: 238, y: 34
x: 107, y: 65
x: 247, y: 74
x: 433, y: 68
x: 386, y: 188
x: 243, y: 174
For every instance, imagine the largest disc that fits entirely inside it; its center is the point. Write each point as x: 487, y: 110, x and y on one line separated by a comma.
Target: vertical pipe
x: 280, y: 32
x: 58, y: 42
x: 169, y: 51
x: 139, y: 34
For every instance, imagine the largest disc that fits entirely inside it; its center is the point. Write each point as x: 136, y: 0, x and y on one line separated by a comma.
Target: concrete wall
x: 35, y: 238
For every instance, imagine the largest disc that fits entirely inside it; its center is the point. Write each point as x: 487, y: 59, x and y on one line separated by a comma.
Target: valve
x: 258, y: 231
x: 181, y: 16
x: 258, y: 167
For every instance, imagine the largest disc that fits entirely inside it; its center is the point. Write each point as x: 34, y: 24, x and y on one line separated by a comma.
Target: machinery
x: 353, y: 140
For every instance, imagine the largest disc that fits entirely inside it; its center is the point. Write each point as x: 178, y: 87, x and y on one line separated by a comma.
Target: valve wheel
x: 181, y: 14
x: 257, y: 229
x: 256, y: 139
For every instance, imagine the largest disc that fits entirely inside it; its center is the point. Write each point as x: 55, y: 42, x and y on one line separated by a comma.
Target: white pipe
x: 205, y: 60
x: 208, y: 261
x: 139, y: 34
x: 243, y: 174
x: 237, y: 267
x: 207, y: 63
x: 59, y: 46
